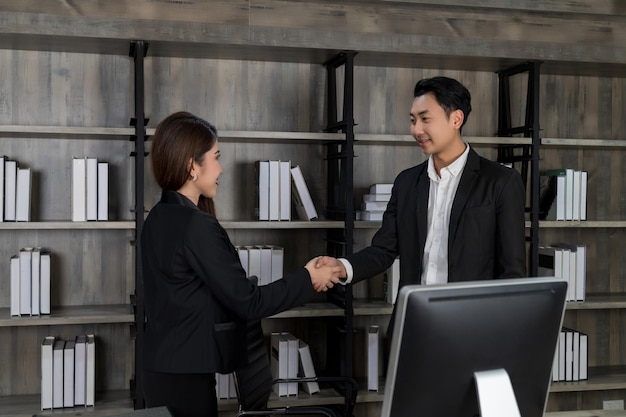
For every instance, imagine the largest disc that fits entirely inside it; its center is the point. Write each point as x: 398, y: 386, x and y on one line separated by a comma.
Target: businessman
x: 456, y: 216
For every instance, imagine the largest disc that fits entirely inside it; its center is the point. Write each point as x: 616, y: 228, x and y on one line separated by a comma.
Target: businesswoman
x: 197, y: 296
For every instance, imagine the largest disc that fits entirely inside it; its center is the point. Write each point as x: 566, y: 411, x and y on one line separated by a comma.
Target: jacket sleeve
x: 214, y: 259
x: 510, y: 257
x: 383, y: 250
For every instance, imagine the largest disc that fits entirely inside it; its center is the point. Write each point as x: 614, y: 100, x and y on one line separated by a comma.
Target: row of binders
x: 291, y: 357
x: 568, y: 262
x: 375, y: 202
x: 262, y: 261
x: 68, y: 372
x: 278, y: 184
x: 15, y: 191
x: 30, y: 282
x: 90, y: 189
x: 563, y: 195
x: 571, y: 357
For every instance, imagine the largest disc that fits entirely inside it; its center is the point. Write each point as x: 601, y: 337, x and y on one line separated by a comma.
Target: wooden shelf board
x: 55, y: 131
x: 365, y: 138
x: 362, y: 307
x: 314, y: 309
x: 69, y: 225
x: 60, y: 316
x: 294, y: 224
x: 600, y: 379
x: 589, y: 224
x: 107, y: 404
x: 601, y: 143
x: 599, y: 302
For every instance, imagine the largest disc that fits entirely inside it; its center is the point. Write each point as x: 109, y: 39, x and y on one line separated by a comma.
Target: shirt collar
x: 455, y: 168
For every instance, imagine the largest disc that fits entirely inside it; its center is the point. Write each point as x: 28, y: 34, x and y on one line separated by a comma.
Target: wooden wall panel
x: 22, y: 375
x: 59, y: 89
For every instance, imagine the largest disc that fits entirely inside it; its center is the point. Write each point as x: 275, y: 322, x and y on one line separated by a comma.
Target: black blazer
x: 486, y: 238
x: 197, y: 296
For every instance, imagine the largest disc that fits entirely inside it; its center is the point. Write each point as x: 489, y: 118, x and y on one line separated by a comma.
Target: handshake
x: 325, y: 272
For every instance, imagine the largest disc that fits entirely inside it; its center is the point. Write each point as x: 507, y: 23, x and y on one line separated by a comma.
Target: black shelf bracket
x: 527, y: 156
x: 340, y: 206
x: 138, y: 50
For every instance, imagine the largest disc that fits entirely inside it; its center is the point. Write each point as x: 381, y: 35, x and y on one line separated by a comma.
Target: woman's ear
x: 190, y: 167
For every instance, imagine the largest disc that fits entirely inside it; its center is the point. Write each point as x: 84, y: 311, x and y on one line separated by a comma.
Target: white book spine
x: 57, y: 374
x: 232, y: 388
x: 393, y: 282
x: 292, y: 366
x: 92, y: 188
x: 44, y: 282
x: 80, y: 369
x: 68, y: 374
x: 222, y: 385
x: 569, y: 194
x: 584, y: 351
x: 243, y: 258
x: 263, y: 189
x: 90, y: 377
x: 377, y: 197
x: 35, y: 282
x: 581, y: 272
x: 46, y: 372
x: 381, y: 188
x: 10, y: 187
x: 274, y: 198
x: 254, y: 262
x: 266, y: 265
x: 576, y: 357
x: 279, y: 362
x: 373, y: 340
x: 103, y: 191
x: 569, y: 355
x: 22, y: 195
x: 278, y: 256
x: 307, y: 369
x: 15, y: 285
x: 25, y: 280
x: 79, y: 190
x: 301, y: 196
x: 285, y: 190
x: 561, y: 191
x: 2, y: 159
x: 583, y: 195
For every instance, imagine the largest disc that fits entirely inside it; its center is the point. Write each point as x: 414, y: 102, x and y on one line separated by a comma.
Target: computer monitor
x: 444, y: 335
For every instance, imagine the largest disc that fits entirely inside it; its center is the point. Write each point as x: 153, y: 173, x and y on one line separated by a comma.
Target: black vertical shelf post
x: 529, y: 153
x: 340, y: 193
x: 138, y: 51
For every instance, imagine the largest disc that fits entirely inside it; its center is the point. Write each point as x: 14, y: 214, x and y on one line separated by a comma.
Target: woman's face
x: 209, y: 172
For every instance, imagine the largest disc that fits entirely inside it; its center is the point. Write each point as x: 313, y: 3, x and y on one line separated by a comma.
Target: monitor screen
x: 443, y: 334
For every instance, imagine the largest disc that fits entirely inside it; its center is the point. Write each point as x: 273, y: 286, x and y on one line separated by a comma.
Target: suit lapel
x: 466, y: 184
x: 423, y: 189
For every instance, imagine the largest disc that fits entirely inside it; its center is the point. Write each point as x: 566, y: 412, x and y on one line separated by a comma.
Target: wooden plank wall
x: 76, y: 89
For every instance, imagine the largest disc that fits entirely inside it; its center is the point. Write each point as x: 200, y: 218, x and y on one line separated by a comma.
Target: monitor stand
x: 495, y: 394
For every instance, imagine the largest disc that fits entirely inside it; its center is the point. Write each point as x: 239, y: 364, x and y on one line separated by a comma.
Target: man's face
x: 433, y: 130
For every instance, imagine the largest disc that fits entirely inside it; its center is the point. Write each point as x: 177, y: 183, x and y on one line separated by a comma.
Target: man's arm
x: 510, y: 254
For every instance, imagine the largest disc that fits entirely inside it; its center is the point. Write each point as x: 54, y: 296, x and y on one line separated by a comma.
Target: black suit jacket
x: 197, y: 296
x: 486, y: 238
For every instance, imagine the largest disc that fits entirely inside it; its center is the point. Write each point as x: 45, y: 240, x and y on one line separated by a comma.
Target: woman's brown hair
x: 178, y: 138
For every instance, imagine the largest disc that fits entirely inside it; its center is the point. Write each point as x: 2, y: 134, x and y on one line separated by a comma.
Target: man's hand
x: 330, y: 261
x: 325, y: 276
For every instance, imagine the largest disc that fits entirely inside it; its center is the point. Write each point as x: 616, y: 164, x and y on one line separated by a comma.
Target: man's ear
x: 457, y: 118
